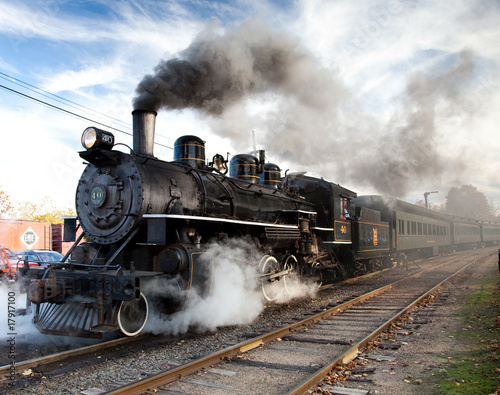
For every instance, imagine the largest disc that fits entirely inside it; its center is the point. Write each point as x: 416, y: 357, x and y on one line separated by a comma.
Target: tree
x: 420, y: 203
x: 43, y: 211
x: 467, y: 201
x: 6, y: 205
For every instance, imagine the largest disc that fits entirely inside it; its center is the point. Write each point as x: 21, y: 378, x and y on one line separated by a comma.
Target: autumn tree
x: 420, y: 203
x: 467, y: 201
x: 43, y: 211
x: 6, y: 205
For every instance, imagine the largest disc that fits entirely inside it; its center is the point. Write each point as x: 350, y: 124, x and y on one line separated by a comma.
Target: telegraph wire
x: 61, y: 109
x: 74, y: 114
x: 57, y: 98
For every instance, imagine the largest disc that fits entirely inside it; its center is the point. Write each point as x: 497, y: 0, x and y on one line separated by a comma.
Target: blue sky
x: 409, y: 101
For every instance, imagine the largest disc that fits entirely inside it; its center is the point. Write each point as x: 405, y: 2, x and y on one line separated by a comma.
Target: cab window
x: 344, y: 208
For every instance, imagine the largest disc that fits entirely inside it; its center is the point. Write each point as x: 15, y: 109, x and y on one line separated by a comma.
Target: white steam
x: 12, y: 301
x: 21, y: 326
x: 290, y: 288
x: 236, y: 297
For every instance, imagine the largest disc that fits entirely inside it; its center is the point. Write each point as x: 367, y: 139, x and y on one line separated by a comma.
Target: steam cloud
x: 305, y: 113
x: 236, y: 297
x: 23, y: 327
x: 409, y: 151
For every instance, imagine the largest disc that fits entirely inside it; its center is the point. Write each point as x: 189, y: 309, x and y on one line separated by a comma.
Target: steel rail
x: 61, y: 356
x: 48, y: 359
x: 353, y: 351
x: 178, y: 373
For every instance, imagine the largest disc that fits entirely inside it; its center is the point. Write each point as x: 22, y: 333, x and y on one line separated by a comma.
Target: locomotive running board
x: 80, y: 319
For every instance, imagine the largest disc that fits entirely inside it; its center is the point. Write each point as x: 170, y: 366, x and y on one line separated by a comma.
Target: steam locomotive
x: 148, y: 224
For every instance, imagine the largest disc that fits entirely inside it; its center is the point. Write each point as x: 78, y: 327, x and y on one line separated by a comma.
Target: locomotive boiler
x: 148, y: 222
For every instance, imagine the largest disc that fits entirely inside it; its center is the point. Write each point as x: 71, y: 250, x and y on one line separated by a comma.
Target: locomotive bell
x: 190, y: 151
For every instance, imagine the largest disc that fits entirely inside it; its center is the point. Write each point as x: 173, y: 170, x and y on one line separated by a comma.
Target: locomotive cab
x: 332, y: 203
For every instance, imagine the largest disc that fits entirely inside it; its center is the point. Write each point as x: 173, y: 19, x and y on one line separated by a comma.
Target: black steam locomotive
x: 148, y: 223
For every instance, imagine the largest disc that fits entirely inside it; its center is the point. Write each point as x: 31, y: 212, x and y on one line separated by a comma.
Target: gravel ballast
x: 417, y: 366
x: 418, y: 357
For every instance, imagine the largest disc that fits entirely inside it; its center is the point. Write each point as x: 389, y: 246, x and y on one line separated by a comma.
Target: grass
x: 476, y: 370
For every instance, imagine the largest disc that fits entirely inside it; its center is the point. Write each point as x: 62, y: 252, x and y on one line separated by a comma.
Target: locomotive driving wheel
x: 267, y: 267
x: 290, y: 263
x: 132, y: 316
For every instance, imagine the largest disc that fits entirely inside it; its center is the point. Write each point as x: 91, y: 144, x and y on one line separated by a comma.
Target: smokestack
x: 144, y: 131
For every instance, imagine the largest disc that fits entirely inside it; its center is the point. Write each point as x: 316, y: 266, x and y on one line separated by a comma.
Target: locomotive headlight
x: 97, y: 138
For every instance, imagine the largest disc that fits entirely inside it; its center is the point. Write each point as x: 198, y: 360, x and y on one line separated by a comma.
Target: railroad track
x: 42, y: 363
x: 233, y: 355
x: 294, y: 358
x: 59, y: 357
x: 47, y: 362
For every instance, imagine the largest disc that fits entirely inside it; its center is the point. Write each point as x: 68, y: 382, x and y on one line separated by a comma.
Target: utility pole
x: 425, y: 197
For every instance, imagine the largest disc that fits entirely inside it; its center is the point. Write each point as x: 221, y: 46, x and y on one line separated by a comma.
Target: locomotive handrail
x: 323, y: 229
x: 217, y: 219
x: 232, y: 181
x: 300, y: 211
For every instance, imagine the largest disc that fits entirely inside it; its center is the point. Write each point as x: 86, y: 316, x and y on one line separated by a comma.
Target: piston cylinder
x: 174, y: 259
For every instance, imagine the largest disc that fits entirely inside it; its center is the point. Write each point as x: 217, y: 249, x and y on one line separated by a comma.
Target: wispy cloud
x: 99, y: 51
x: 70, y: 80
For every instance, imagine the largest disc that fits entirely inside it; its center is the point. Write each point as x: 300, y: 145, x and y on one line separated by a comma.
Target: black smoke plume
x: 218, y: 70
x: 306, y: 118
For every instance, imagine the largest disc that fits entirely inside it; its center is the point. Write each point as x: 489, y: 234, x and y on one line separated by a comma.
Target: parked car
x: 40, y: 257
x: 8, y: 263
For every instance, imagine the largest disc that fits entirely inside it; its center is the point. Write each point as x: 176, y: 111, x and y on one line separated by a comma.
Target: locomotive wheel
x: 132, y: 316
x: 319, y: 280
x: 269, y: 265
x: 289, y: 263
